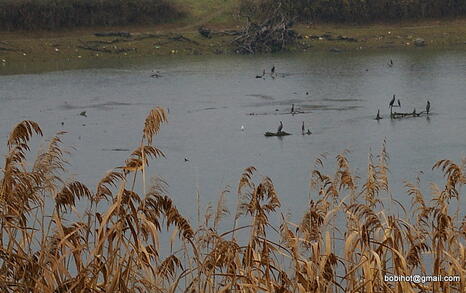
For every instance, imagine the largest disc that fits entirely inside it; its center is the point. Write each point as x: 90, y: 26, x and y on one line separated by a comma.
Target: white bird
x: 242, y: 127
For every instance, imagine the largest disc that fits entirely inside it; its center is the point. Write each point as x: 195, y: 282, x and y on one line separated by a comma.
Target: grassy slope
x: 41, y: 47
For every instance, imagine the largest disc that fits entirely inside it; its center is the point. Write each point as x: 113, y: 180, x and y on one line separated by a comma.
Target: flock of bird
x: 391, y: 104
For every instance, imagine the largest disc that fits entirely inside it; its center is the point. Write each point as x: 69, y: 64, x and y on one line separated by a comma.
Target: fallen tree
x: 272, y: 35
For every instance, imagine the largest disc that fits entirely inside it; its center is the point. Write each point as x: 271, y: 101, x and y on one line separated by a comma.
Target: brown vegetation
x: 57, y: 14
x: 346, y: 241
x: 357, y: 11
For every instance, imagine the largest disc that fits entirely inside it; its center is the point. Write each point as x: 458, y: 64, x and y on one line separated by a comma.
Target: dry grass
x: 346, y: 241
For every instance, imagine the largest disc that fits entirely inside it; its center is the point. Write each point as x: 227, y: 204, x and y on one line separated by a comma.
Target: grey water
x: 210, y: 98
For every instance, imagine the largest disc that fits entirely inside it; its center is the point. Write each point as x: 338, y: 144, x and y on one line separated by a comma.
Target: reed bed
x: 56, y: 14
x: 356, y: 11
x: 347, y: 240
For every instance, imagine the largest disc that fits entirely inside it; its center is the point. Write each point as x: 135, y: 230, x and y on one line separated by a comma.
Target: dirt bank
x: 37, y: 48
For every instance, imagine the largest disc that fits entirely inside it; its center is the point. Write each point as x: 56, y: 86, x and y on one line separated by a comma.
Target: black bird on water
x: 272, y: 70
x: 392, y: 101
x: 280, y: 127
x: 261, y: 76
x: 302, y: 128
x: 390, y: 63
x: 378, y: 117
x: 292, y: 108
x: 428, y: 107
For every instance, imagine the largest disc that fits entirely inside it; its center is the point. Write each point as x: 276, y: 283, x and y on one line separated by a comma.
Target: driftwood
x: 113, y: 34
x: 280, y: 133
x: 396, y: 115
x: 329, y: 37
x: 272, y: 35
x: 93, y: 47
x: 183, y: 39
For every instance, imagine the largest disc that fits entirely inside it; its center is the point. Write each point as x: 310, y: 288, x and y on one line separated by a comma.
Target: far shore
x: 36, y: 48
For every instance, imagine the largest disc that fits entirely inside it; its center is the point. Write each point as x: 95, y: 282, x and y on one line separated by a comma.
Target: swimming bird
x: 428, y: 107
x: 83, y: 113
x: 390, y: 63
x: 155, y: 74
x: 399, y: 103
x: 280, y: 127
x: 261, y: 76
x: 186, y: 159
x: 392, y: 101
x: 378, y: 117
x: 272, y: 70
x: 242, y: 127
x: 302, y: 128
x: 292, y: 108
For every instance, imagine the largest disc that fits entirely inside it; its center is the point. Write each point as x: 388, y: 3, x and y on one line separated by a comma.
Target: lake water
x: 210, y: 98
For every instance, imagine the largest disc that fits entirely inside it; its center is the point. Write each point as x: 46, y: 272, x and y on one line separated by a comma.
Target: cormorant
x: 390, y: 63
x: 292, y: 108
x: 280, y: 127
x: 273, y: 70
x: 428, y: 107
x: 392, y: 101
x: 302, y: 128
x: 378, y: 117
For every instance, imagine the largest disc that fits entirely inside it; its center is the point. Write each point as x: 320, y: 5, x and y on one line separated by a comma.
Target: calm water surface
x: 210, y: 98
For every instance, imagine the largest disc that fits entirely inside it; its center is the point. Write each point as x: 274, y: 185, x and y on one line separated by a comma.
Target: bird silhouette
x: 428, y: 107
x: 302, y: 128
x: 399, y: 103
x: 292, y: 108
x: 83, y: 113
x: 378, y: 117
x: 272, y: 70
x: 392, y: 101
x: 280, y: 127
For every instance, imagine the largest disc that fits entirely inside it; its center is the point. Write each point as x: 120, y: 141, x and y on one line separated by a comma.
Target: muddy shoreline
x: 38, y: 49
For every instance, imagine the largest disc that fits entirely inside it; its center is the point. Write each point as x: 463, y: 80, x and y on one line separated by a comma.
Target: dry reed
x: 346, y: 241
